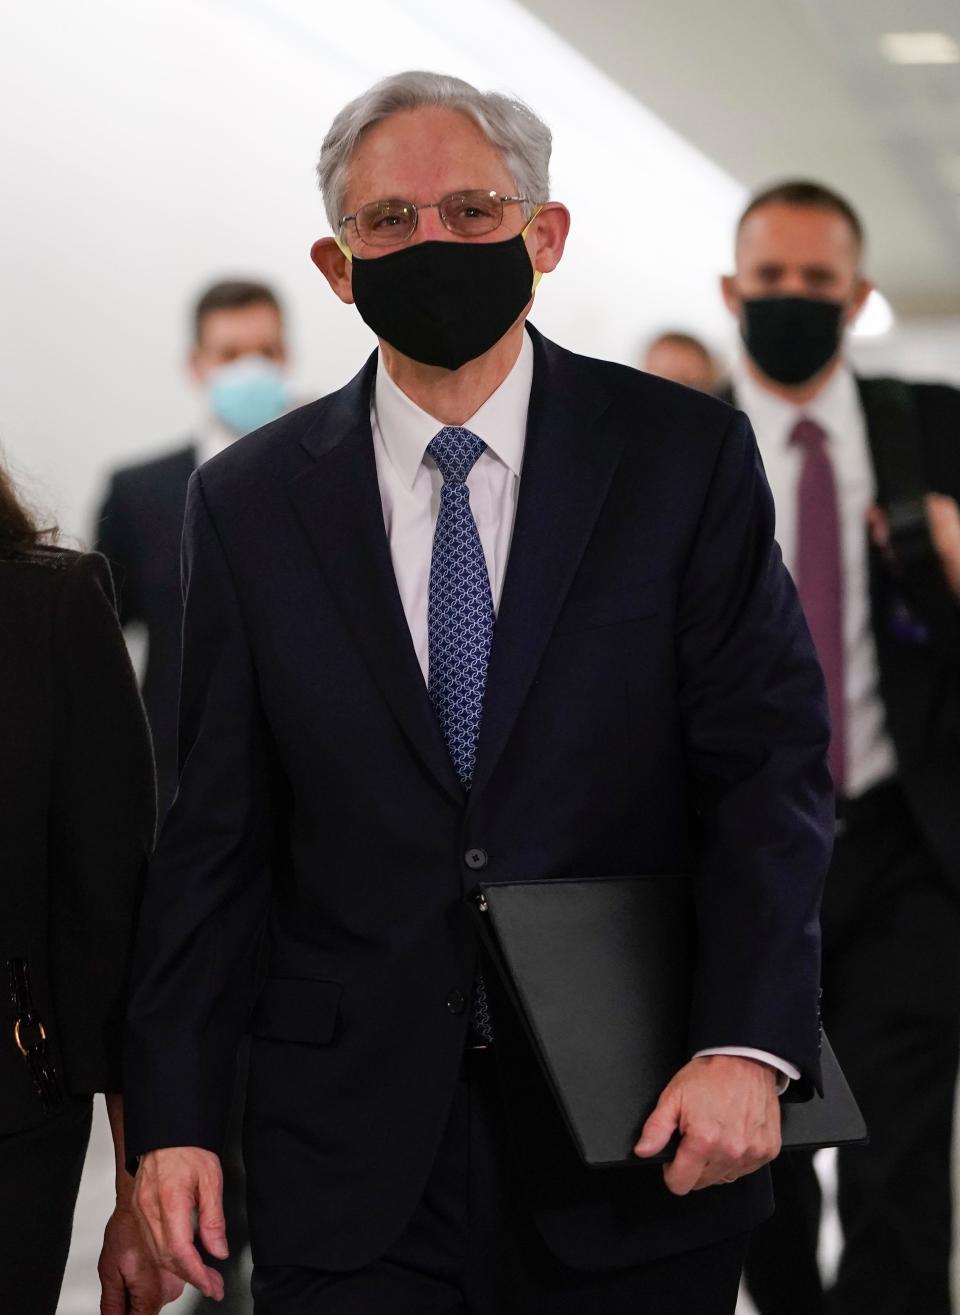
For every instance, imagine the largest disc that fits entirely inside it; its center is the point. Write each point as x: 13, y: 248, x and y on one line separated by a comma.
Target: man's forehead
x: 796, y: 234
x: 256, y: 318
x: 413, y: 152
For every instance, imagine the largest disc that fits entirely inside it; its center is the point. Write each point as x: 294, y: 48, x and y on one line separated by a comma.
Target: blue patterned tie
x: 460, y: 619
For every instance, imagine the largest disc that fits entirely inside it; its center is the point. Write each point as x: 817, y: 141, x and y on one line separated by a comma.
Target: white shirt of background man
x: 871, y: 757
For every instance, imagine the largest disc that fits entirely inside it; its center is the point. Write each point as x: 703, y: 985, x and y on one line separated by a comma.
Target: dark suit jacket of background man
x: 653, y: 705
x: 920, y: 672
x: 920, y: 676
x: 139, y: 531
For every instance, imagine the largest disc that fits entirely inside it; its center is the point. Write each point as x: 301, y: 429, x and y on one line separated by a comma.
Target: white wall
x: 149, y: 147
x: 922, y: 348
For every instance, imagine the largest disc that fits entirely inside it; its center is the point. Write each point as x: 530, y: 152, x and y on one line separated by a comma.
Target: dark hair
x: 231, y: 294
x: 677, y: 338
x: 18, y: 529
x: 804, y: 194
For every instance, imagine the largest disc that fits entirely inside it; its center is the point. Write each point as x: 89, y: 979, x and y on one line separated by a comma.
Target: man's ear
x: 549, y: 229
x: 334, y: 266
x: 862, y: 291
x: 728, y: 287
x: 194, y: 366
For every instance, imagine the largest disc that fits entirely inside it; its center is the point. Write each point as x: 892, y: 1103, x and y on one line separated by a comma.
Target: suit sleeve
x: 102, y: 818
x: 755, y: 721
x: 208, y: 885
x: 116, y: 540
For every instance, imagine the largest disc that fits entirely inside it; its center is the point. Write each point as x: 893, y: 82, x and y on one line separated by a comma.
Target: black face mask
x: 444, y: 303
x: 791, y: 338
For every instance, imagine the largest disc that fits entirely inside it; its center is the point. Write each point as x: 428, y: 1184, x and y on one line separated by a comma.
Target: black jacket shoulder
x: 155, y: 470
x: 937, y: 409
x: 44, y: 581
x: 48, y: 557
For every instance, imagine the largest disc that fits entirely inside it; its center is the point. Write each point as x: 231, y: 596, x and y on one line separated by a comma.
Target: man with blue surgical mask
x: 238, y: 360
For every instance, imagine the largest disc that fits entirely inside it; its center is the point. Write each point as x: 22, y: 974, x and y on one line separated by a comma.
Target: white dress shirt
x: 870, y: 755
x: 212, y: 436
x: 410, y: 484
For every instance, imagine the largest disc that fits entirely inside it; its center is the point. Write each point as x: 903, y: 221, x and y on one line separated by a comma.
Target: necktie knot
x: 807, y: 434
x: 455, y: 450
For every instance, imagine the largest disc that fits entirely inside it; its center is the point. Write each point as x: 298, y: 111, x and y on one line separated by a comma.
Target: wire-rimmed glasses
x: 465, y: 214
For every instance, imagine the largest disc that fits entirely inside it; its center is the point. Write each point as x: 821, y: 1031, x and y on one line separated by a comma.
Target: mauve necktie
x: 819, y: 574
x: 460, y: 619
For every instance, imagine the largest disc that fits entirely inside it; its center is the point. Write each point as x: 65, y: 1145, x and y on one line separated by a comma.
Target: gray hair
x: 522, y: 138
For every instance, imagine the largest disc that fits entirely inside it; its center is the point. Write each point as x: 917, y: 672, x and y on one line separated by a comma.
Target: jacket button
x: 456, y: 1002
x: 476, y: 859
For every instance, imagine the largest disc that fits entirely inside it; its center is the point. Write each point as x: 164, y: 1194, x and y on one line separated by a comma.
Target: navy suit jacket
x: 653, y: 705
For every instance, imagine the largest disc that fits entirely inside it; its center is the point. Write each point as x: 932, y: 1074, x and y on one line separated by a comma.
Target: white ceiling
x: 771, y: 88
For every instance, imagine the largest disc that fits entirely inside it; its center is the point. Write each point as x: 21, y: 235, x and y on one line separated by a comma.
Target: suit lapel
x: 338, y: 502
x: 568, y: 463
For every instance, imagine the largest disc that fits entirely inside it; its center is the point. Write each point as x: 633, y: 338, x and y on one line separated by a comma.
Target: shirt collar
x: 773, y: 415
x: 501, y: 421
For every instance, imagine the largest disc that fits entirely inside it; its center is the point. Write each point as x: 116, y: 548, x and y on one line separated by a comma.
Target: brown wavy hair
x: 18, y: 528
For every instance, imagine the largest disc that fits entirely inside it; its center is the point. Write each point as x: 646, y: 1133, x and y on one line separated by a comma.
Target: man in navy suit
x: 490, y: 608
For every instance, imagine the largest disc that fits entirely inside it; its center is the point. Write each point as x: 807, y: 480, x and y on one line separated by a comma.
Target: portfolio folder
x: 599, y: 973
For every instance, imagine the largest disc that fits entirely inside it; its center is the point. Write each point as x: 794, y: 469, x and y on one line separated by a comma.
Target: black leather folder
x: 599, y: 974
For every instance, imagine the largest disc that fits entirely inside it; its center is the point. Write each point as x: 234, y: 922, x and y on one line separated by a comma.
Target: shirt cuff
x: 786, y: 1070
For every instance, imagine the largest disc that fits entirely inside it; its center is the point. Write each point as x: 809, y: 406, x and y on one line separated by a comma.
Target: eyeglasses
x: 467, y: 214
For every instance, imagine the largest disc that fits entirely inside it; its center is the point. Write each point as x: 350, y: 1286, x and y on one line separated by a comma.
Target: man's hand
x: 943, y: 518
x: 170, y: 1184
x: 131, y: 1283
x: 728, y: 1114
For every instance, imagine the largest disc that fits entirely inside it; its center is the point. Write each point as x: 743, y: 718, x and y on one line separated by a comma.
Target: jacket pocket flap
x: 299, y: 1009
x: 588, y: 611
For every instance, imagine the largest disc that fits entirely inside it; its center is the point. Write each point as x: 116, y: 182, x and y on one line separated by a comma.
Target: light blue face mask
x: 248, y: 393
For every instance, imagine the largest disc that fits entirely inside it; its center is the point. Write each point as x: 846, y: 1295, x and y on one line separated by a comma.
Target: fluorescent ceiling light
x: 920, y: 48
x: 875, y: 319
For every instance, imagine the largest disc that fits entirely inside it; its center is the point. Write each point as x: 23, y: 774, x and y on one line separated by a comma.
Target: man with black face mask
x: 492, y: 610
x: 891, y: 657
